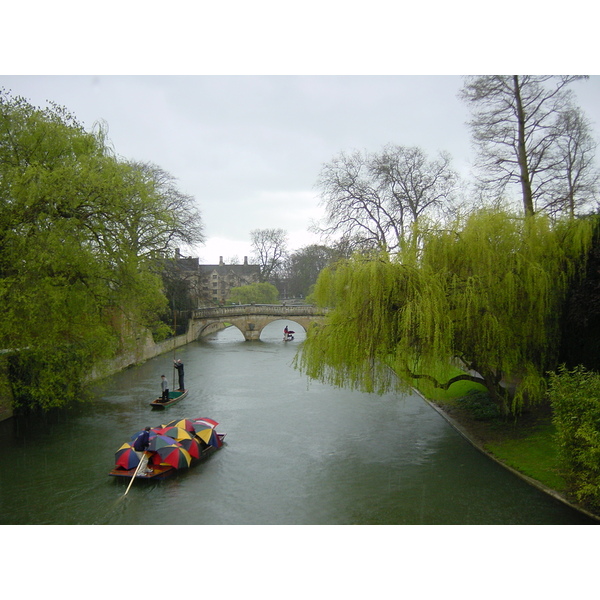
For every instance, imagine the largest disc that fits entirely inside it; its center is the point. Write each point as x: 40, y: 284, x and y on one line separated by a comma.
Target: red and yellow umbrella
x: 174, y: 455
x: 183, y: 424
x: 207, y: 435
x: 177, y: 433
x: 192, y: 446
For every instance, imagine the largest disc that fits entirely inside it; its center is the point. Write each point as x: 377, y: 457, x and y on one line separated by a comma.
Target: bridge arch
x: 251, y: 319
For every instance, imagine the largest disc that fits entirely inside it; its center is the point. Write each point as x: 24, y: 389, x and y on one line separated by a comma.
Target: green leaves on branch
x: 255, y: 293
x: 83, y: 241
x: 485, y: 295
x: 575, y: 397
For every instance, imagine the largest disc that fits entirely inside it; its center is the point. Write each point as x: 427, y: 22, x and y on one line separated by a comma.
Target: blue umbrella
x: 127, y: 457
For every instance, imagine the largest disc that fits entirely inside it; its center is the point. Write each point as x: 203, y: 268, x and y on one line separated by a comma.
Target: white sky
x: 243, y: 137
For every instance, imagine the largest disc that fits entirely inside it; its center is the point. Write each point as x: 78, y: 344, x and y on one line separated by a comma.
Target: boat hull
x: 174, y: 397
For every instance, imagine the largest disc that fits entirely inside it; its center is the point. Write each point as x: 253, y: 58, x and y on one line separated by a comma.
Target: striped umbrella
x: 174, y: 455
x: 192, y: 446
x: 160, y: 441
x: 127, y: 457
x: 183, y: 424
x: 177, y: 433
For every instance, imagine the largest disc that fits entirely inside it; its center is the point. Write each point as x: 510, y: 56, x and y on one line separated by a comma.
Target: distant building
x: 211, y: 284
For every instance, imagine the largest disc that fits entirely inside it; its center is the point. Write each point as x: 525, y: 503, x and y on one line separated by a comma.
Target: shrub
x: 575, y: 398
x: 480, y: 405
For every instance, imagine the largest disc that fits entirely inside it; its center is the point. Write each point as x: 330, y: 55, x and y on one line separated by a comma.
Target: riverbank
x: 524, y: 447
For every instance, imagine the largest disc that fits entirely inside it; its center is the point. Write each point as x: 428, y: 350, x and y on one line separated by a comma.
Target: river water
x: 296, y: 452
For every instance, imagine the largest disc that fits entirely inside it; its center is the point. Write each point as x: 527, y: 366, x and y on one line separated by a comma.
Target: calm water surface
x: 297, y: 452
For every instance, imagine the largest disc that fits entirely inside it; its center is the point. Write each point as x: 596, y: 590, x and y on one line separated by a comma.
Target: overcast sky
x: 249, y: 148
x: 276, y: 95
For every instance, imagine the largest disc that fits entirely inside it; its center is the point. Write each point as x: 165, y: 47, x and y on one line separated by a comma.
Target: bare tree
x: 577, y: 178
x: 516, y: 125
x: 415, y: 185
x: 304, y: 265
x: 270, y: 250
x: 374, y: 200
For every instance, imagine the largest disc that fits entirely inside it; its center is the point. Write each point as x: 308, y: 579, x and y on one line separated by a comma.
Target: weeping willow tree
x: 484, y: 295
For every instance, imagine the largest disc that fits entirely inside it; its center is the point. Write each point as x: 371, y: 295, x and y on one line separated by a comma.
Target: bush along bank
x: 575, y: 399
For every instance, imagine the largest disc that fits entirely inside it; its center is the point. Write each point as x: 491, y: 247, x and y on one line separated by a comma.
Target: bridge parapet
x: 258, y: 309
x: 250, y: 319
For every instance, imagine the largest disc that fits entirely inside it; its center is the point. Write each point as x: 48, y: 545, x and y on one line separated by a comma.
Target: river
x: 296, y: 452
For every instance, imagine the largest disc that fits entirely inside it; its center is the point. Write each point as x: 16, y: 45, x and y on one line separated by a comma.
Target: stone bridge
x: 251, y: 319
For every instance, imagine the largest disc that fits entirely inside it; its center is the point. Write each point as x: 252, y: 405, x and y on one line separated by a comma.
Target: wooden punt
x: 174, y: 397
x: 162, y: 471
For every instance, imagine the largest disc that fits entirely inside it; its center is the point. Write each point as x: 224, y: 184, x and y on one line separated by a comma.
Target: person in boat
x: 164, y: 386
x: 142, y: 441
x: 285, y: 333
x: 179, y: 367
x: 140, y: 445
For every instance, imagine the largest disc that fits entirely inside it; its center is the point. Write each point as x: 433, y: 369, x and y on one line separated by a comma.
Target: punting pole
x: 136, y: 472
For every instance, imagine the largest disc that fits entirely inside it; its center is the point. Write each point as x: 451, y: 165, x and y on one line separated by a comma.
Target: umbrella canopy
x: 192, y: 446
x: 127, y: 457
x: 183, y: 424
x: 177, y: 433
x: 204, y: 422
x: 153, y: 431
x: 174, y: 455
x: 160, y: 441
x: 207, y: 435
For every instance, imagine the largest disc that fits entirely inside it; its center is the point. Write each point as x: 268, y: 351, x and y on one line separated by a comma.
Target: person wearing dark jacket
x: 142, y: 441
x: 140, y: 445
x: 179, y: 367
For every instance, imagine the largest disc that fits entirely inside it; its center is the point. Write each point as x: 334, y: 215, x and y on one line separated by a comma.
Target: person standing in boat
x: 140, y: 445
x: 179, y: 367
x: 142, y: 441
x: 164, y: 385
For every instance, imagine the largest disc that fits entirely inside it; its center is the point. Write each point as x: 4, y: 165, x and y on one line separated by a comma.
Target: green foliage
x: 82, y: 240
x: 575, y: 398
x: 47, y: 378
x: 487, y: 293
x: 480, y: 405
x: 255, y: 293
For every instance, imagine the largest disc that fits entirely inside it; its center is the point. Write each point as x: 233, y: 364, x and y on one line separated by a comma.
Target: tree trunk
x: 522, y: 150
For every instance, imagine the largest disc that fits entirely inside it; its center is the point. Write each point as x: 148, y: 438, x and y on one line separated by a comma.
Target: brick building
x: 211, y: 284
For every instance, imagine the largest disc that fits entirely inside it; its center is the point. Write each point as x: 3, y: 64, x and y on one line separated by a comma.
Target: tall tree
x: 79, y: 271
x: 303, y: 267
x: 575, y: 187
x: 270, y: 250
x: 517, y: 123
x: 375, y: 200
x: 485, y: 295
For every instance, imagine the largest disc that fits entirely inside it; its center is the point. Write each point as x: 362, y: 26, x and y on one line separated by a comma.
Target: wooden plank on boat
x: 174, y: 397
x: 158, y: 472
